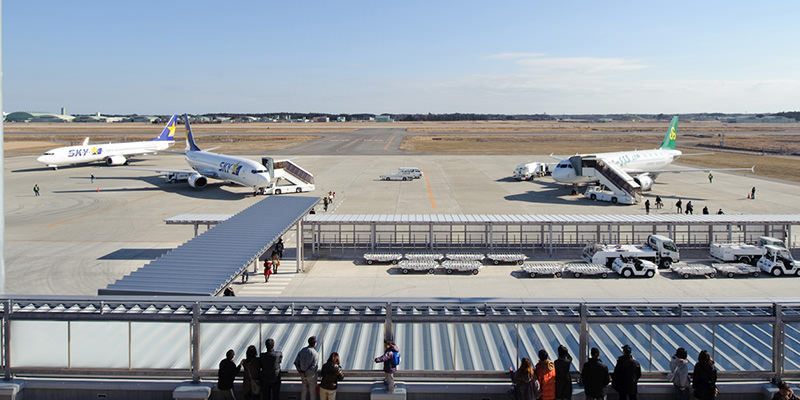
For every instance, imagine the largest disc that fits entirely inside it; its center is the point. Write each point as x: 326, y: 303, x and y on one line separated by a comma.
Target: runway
x: 79, y: 236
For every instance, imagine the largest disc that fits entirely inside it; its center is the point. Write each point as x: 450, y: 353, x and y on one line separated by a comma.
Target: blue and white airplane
x: 111, y: 153
x: 643, y: 165
x: 238, y: 170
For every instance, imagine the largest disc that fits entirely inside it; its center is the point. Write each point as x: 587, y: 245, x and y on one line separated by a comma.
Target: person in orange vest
x: 546, y: 374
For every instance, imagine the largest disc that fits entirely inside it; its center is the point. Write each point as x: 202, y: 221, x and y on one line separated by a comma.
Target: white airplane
x: 238, y: 170
x: 111, y: 153
x: 642, y: 165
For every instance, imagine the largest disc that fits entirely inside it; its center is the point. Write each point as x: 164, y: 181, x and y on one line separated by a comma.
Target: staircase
x: 609, y: 175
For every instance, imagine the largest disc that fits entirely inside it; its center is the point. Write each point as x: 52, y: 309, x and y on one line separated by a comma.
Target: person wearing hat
x: 785, y: 393
x: 679, y: 374
x: 625, y: 377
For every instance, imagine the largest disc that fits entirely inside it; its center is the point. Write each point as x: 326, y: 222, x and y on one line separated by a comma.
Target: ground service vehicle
x: 413, y: 172
x: 600, y: 193
x: 526, y: 172
x: 632, y: 266
x: 396, y: 177
x: 735, y: 252
x: 777, y: 261
x: 658, y: 249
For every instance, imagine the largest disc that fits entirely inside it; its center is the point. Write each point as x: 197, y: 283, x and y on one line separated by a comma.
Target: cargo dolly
x: 462, y: 266
x: 543, y: 268
x: 498, y: 258
x: 731, y: 270
x: 465, y: 256
x: 688, y: 270
x: 580, y: 269
x: 422, y: 256
x: 382, y: 257
x: 407, y: 266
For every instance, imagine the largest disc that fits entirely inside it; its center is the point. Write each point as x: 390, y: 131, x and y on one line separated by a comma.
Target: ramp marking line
x: 430, y: 193
x: 388, y: 143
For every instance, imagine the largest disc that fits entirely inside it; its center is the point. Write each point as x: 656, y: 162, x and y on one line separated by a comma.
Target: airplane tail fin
x: 671, y: 136
x: 190, y: 146
x: 168, y: 134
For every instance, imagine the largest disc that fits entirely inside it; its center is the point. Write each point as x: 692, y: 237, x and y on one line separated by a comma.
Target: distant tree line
x: 790, y: 114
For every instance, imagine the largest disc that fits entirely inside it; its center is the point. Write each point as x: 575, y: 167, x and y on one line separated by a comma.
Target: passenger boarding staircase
x: 609, y: 175
x: 288, y: 171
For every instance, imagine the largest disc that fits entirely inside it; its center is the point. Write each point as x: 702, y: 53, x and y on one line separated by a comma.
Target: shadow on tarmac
x: 213, y: 191
x: 134, y: 254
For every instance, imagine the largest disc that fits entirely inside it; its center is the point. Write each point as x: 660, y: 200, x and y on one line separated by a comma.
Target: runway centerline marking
x: 388, y: 143
x: 55, y: 224
x: 427, y: 182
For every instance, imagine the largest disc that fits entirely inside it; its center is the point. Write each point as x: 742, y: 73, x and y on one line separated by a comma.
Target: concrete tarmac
x: 79, y: 236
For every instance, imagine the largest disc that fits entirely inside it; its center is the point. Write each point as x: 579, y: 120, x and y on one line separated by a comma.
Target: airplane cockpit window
x: 257, y: 171
x: 49, y: 154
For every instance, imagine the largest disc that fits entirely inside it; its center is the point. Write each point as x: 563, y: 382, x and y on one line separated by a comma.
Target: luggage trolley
x: 382, y: 257
x: 731, y: 270
x: 543, y: 268
x: 687, y: 270
x: 498, y: 258
x: 580, y: 269
x: 407, y: 266
x: 462, y: 266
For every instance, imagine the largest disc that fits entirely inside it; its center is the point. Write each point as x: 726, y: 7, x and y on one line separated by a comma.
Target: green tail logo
x: 669, y: 139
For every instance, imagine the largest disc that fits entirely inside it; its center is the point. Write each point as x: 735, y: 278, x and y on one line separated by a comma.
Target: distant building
x: 24, y: 116
x: 383, y: 118
x: 755, y: 119
x: 145, y: 118
x: 321, y: 119
x: 341, y: 119
x: 604, y: 120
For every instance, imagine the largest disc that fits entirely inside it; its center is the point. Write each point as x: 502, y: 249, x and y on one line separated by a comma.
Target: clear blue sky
x: 558, y: 57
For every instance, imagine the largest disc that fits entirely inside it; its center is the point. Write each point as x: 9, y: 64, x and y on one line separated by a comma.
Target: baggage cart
x: 407, y: 266
x: 498, y: 258
x: 731, y: 270
x: 462, y: 266
x: 382, y: 257
x: 543, y: 268
x: 464, y: 256
x: 424, y: 256
x: 581, y: 269
x: 688, y: 270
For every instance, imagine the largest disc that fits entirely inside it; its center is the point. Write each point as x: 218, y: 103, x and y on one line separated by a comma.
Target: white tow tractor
x: 778, y: 261
x: 632, y: 266
x: 658, y: 249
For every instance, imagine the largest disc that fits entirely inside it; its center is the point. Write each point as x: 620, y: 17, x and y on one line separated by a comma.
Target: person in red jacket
x: 546, y: 374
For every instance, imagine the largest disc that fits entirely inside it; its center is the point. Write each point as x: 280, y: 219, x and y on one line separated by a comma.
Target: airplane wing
x: 675, y: 171
x: 209, y: 174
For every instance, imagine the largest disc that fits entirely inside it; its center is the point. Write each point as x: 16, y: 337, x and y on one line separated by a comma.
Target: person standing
x: 753, y: 193
x: 659, y: 203
x: 647, y: 206
x: 689, y: 208
x: 91, y: 176
x: 719, y: 212
x: 389, y: 366
x: 279, y: 247
x: 705, y: 210
x: 271, y: 372
x: 710, y: 178
x: 307, y: 364
x: 679, y: 205
x: 526, y: 386
x: 325, y: 203
x: 594, y: 376
x: 705, y: 377
x: 252, y: 374
x: 226, y: 374
x: 627, y: 372
x: 36, y: 189
x: 563, y: 379
x: 331, y: 375
x: 267, y: 270
x: 546, y: 373
x: 679, y: 374
x: 276, y: 261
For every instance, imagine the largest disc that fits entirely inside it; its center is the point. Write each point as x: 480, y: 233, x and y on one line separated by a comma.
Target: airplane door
x: 576, y: 162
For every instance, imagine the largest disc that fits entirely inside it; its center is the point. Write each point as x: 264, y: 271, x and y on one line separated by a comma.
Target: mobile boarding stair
x: 290, y: 172
x: 609, y: 175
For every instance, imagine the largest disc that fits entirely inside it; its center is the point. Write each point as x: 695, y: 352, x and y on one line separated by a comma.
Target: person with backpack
x: 679, y: 374
x: 390, y: 360
x: 331, y: 374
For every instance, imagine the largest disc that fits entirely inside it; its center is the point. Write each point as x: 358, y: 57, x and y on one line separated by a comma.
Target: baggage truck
x: 658, y: 249
x: 741, y: 252
x: 526, y: 172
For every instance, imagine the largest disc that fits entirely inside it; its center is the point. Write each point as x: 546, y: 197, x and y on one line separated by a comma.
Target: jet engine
x: 645, y: 181
x: 197, y: 181
x: 116, y: 160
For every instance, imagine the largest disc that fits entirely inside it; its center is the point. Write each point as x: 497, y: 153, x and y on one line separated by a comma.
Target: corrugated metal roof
x: 189, y: 219
x: 216, y: 257
x: 553, y: 219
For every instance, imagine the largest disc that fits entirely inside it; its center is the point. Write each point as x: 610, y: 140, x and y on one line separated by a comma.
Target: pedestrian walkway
x: 256, y: 287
